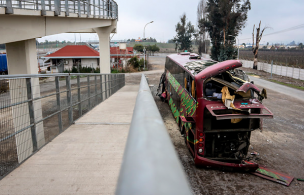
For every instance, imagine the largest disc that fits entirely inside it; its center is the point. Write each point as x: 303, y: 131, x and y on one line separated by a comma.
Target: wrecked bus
x: 216, y: 108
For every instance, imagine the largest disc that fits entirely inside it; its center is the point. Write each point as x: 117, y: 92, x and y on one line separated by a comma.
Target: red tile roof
x: 74, y: 51
x: 116, y: 50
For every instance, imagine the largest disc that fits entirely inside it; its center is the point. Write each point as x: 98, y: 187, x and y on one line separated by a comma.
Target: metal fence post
x: 111, y: 80
x: 31, y: 113
x: 57, y: 7
x: 9, y: 7
x: 79, y: 12
x: 101, y: 92
x: 99, y: 8
x: 58, y: 103
x: 43, y: 12
x: 69, y: 99
x: 96, y: 100
x: 106, y: 88
x: 79, y: 96
x: 88, y: 8
x: 89, y: 92
x: 116, y: 83
x: 66, y: 7
x: 103, y: 8
x: 94, y: 8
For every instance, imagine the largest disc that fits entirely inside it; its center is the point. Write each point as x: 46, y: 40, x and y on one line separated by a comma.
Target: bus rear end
x: 229, y: 109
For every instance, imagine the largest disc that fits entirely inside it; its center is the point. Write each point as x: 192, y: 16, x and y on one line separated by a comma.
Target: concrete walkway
x: 295, y: 93
x: 84, y: 159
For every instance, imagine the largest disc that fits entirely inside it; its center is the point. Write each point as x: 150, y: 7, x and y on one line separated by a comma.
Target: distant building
x: 74, y: 55
x: 119, y: 55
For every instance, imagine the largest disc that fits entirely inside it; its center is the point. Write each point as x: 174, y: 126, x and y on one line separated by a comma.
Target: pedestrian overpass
x: 24, y: 21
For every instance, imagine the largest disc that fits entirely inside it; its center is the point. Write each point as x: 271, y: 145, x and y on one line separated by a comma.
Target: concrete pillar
x: 104, y: 46
x: 22, y: 59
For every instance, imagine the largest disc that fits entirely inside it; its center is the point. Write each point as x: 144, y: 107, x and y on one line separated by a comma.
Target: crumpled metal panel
x: 273, y: 175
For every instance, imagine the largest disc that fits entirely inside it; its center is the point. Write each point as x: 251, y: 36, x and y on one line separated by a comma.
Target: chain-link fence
x: 34, y: 109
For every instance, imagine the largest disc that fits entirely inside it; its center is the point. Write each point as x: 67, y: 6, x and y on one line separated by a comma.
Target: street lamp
x: 145, y: 28
x: 144, y: 47
x: 237, y: 45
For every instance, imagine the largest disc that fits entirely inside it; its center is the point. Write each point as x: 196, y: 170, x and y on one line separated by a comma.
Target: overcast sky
x: 134, y: 14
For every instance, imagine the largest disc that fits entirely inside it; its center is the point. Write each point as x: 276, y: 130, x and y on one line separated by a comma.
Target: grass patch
x: 287, y: 84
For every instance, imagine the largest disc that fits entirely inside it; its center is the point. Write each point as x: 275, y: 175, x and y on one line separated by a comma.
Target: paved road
x: 295, y: 93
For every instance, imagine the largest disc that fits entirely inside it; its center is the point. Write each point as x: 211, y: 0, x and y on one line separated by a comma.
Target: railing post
x: 79, y: 12
x: 58, y: 103
x: 50, y: 5
x: 94, y: 8
x: 43, y: 12
x: 106, y: 87
x: 37, y: 4
x: 79, y: 96
x: 101, y: 88
x: 96, y: 100
x: 110, y: 87
x: 69, y: 99
x: 20, y: 4
x: 103, y: 8
x: 116, y: 11
x: 66, y: 7
x: 89, y: 92
x: 57, y: 7
x: 88, y: 8
x: 116, y: 83
x: 9, y: 7
x: 31, y: 113
x: 99, y: 8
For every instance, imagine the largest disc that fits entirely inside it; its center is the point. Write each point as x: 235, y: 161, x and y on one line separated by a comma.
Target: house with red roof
x: 74, y: 55
x: 120, y: 55
x: 82, y: 55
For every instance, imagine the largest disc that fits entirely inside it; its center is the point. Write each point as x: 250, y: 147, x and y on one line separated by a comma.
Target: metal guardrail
x: 150, y: 163
x: 96, y: 8
x: 34, y: 109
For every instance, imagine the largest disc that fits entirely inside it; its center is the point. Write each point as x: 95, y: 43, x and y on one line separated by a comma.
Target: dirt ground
x: 280, y: 146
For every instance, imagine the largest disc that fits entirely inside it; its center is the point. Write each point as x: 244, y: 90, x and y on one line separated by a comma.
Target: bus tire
x: 181, y: 128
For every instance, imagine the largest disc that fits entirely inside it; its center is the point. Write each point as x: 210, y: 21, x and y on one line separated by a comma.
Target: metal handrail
x: 150, y: 163
x: 50, y: 75
x: 96, y: 8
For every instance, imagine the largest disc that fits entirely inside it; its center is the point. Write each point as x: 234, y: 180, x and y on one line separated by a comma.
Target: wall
x: 89, y: 62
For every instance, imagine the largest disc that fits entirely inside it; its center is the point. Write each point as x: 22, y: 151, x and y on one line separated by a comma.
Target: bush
x: 82, y: 70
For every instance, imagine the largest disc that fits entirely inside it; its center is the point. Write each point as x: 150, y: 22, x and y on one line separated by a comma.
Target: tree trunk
x: 255, y: 63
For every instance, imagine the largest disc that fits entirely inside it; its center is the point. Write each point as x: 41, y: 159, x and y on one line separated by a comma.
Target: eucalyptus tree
x: 184, y: 34
x: 223, y: 22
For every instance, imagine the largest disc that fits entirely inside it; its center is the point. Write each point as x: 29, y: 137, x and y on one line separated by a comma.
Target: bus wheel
x: 181, y: 128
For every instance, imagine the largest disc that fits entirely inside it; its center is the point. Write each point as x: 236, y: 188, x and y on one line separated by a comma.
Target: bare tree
x: 255, y: 47
x: 201, y: 13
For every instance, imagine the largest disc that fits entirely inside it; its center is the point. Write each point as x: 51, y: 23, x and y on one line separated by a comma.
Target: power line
x: 282, y: 31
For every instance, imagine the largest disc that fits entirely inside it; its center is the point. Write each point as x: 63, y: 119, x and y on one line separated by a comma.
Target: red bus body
x: 212, y: 138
